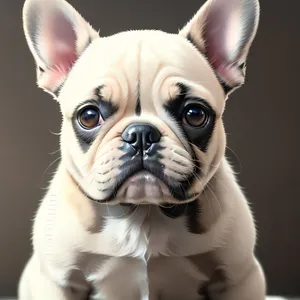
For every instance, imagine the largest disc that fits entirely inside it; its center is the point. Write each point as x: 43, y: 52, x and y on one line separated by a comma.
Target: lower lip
x: 143, y: 186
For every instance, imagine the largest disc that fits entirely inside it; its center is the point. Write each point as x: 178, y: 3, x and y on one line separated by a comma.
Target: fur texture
x: 152, y: 211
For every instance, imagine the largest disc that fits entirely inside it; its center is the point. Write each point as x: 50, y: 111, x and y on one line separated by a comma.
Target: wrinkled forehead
x: 144, y: 64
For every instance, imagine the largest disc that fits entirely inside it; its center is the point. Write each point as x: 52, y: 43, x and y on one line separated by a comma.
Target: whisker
x: 51, y: 164
x: 163, y: 206
x: 130, y: 216
x: 79, y: 184
x: 218, y: 201
x: 203, y: 188
x: 191, y: 186
x: 54, y: 133
x: 239, y: 161
x: 54, y: 152
x: 208, y: 186
x: 186, y: 207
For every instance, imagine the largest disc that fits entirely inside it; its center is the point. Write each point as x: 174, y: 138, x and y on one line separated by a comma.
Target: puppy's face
x: 141, y: 123
x: 142, y: 110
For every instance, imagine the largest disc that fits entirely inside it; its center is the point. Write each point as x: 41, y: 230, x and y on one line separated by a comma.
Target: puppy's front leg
x: 35, y: 285
x: 123, y: 279
x: 244, y: 282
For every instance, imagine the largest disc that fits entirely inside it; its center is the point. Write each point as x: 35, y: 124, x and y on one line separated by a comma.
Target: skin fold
x: 144, y: 204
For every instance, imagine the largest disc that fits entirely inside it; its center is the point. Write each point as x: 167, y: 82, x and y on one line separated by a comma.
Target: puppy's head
x: 142, y: 110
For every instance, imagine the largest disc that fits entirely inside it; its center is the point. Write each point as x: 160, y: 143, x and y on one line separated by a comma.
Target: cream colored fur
x: 138, y: 254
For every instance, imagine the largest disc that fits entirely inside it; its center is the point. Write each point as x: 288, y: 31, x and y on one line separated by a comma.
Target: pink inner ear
x: 58, y: 47
x: 223, y: 35
x: 215, y: 40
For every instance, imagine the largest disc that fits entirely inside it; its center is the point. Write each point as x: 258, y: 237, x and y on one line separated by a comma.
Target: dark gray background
x: 260, y: 119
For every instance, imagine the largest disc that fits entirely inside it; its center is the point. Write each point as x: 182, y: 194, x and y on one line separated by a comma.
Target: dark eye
x: 89, y: 117
x: 195, y: 115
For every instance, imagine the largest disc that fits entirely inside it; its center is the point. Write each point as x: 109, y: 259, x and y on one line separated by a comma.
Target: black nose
x: 141, y: 136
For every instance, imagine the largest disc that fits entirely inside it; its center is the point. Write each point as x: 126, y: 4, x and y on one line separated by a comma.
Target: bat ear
x: 56, y: 35
x: 223, y: 30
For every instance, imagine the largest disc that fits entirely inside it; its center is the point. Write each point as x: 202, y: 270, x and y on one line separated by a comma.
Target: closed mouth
x: 144, y: 187
x: 138, y: 184
x: 137, y: 180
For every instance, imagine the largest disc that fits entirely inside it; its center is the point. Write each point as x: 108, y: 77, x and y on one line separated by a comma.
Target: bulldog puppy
x: 144, y: 205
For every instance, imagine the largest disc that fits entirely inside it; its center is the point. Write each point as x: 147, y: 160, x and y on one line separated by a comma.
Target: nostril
x: 129, y: 136
x: 132, y: 137
x: 141, y: 136
x: 154, y: 136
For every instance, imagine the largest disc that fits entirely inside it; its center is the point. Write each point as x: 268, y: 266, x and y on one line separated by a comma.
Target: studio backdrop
x: 261, y: 120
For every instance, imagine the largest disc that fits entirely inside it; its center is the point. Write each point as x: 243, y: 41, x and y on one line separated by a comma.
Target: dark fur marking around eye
x: 199, y: 136
x: 175, y: 108
x: 107, y: 109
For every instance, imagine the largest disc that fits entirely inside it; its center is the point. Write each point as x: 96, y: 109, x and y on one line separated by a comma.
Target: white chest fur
x: 143, y: 232
x: 146, y: 232
x: 144, y: 243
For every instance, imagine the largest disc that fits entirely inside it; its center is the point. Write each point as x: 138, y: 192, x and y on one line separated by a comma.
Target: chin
x: 143, y: 187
